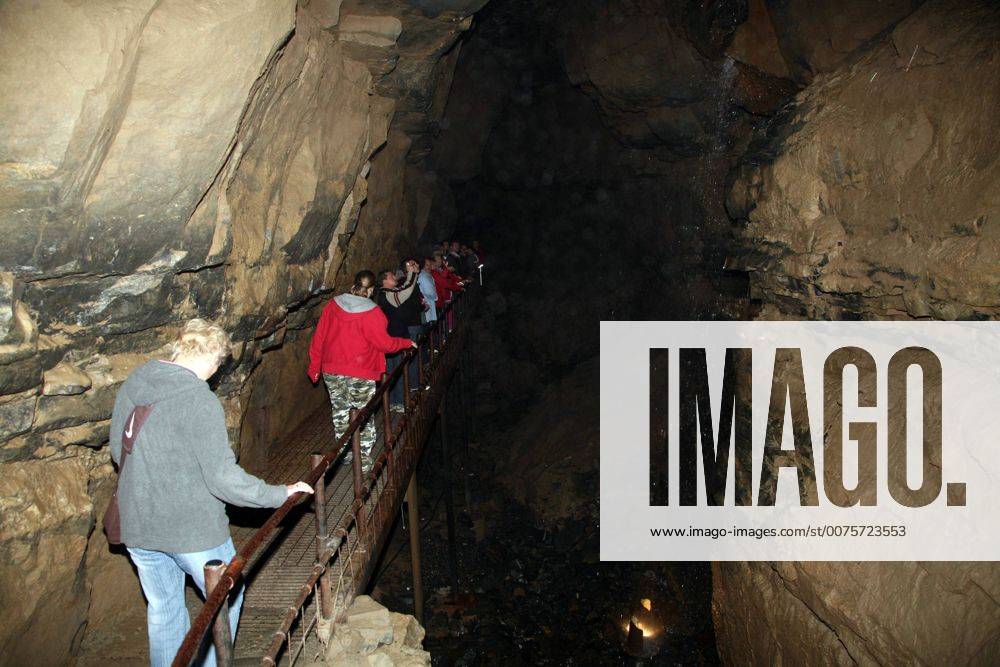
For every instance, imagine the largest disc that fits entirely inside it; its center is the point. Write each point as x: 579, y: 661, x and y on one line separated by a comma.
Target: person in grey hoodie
x: 176, y: 480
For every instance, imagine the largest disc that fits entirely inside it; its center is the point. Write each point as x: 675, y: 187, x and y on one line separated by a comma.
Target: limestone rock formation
x: 372, y: 636
x: 660, y: 72
x: 755, y: 42
x: 46, y: 516
x: 166, y: 160
x: 856, y: 613
x: 874, y: 197
x: 876, y: 194
x: 817, y: 36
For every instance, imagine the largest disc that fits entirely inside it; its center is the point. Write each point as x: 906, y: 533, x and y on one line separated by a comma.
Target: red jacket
x: 351, y: 340
x: 445, y: 282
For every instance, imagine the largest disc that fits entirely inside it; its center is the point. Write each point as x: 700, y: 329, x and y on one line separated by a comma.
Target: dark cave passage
x: 580, y: 224
x: 618, y: 160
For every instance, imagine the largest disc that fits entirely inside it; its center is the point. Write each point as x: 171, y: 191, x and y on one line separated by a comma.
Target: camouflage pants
x: 346, y: 393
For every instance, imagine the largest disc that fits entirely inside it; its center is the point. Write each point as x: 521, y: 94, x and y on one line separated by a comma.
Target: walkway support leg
x: 319, y: 506
x: 413, y: 520
x: 221, y: 637
x: 449, y: 498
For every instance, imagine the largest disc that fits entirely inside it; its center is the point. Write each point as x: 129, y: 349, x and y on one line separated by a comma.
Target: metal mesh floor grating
x: 274, y: 581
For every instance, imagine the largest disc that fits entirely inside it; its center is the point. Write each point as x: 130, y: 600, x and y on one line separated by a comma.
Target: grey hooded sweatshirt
x: 181, y: 471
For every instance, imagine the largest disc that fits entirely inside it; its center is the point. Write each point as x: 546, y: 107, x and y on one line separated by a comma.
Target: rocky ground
x: 371, y: 635
x: 532, y: 590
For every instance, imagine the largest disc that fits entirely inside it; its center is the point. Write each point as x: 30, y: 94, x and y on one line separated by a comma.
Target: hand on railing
x: 298, y: 487
x: 210, y: 610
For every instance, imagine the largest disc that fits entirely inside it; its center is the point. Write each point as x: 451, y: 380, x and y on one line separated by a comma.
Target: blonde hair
x: 201, y: 338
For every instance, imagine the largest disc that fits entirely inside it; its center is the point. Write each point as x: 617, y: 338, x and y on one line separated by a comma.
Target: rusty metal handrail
x: 404, y: 454
x: 234, y: 569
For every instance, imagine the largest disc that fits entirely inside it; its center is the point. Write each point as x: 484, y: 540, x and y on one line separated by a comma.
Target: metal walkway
x: 298, y: 571
x: 277, y: 573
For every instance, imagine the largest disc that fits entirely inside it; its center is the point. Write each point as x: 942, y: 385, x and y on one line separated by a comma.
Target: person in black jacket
x: 453, y: 256
x: 402, y: 304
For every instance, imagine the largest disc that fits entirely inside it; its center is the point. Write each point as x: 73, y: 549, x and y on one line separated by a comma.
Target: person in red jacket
x: 446, y: 281
x: 348, y: 349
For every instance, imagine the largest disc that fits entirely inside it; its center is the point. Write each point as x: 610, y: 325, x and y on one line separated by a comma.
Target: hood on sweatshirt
x: 350, y: 303
x: 157, y: 380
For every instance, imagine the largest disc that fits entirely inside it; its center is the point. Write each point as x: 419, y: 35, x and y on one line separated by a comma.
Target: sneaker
x: 400, y: 409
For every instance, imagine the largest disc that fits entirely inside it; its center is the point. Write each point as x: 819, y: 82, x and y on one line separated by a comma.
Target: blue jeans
x: 162, y: 577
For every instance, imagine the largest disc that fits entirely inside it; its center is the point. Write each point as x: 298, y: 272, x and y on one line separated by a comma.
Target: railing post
x: 356, y: 465
x: 322, y: 537
x: 449, y: 498
x: 413, y: 517
x: 386, y: 412
x: 221, y: 636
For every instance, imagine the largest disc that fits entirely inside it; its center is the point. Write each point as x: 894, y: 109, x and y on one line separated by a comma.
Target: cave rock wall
x: 166, y: 160
x: 877, y: 192
x: 875, y: 196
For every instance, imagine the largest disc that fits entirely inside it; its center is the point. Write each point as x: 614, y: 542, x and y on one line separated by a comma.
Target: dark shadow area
x: 580, y: 221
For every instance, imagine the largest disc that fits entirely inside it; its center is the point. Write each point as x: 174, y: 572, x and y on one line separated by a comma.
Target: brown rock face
x: 856, y: 613
x: 166, y: 160
x: 876, y: 193
x: 756, y: 44
x: 47, y: 514
x: 661, y: 72
x: 817, y: 36
x: 872, y: 198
